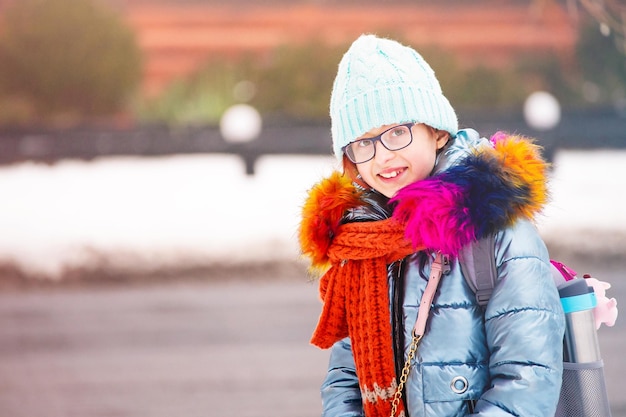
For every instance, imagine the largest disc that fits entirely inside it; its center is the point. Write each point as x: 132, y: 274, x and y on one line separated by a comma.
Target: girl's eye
x: 399, y: 131
x: 364, y: 143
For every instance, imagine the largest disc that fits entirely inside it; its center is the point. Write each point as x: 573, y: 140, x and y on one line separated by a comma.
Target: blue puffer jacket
x: 503, y: 361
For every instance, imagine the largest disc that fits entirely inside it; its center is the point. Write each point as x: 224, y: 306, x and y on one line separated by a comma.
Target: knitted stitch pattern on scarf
x: 360, y: 284
x: 490, y: 189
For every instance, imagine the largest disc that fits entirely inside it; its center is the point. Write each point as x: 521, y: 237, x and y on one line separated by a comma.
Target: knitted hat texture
x: 380, y: 82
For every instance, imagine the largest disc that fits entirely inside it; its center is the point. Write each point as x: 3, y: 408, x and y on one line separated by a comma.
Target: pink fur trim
x: 434, y: 215
x: 497, y: 137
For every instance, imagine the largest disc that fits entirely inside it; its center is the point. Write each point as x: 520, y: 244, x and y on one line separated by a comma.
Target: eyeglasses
x: 393, y: 139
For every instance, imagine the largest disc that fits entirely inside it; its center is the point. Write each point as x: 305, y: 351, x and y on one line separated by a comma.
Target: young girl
x: 387, y: 233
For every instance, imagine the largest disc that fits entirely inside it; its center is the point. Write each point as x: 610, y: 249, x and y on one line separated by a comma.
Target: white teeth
x: 389, y: 174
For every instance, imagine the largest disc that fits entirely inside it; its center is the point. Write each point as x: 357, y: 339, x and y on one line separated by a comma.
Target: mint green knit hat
x: 381, y: 82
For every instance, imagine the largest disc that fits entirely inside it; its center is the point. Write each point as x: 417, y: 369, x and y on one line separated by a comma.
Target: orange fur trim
x: 523, y: 164
x: 322, y: 211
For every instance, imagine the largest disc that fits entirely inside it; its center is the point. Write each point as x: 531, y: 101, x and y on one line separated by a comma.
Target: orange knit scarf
x: 356, y: 303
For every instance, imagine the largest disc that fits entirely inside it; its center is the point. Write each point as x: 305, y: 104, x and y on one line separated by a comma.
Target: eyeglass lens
x: 393, y: 139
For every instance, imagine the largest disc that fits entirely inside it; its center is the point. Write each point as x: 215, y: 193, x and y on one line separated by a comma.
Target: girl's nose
x: 382, y: 154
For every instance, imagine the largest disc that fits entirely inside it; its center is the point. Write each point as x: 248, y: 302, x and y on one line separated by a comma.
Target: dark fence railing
x: 600, y: 129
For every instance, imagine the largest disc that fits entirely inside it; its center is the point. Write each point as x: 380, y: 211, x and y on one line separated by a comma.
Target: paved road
x: 171, y: 350
x: 188, y: 349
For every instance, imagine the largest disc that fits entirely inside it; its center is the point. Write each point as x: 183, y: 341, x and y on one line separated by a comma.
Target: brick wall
x: 176, y: 39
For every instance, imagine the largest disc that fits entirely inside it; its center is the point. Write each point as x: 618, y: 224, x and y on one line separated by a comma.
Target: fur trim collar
x: 489, y: 189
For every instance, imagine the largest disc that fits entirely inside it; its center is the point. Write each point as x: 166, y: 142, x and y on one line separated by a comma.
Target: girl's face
x: 389, y: 171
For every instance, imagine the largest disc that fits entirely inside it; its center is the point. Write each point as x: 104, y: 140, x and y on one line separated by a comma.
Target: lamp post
x: 239, y: 125
x: 542, y: 113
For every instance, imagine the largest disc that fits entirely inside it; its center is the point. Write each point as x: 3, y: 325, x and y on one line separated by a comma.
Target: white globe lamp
x: 240, y: 123
x: 542, y: 111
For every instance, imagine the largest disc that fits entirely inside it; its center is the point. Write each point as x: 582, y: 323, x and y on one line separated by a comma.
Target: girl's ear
x: 441, y: 137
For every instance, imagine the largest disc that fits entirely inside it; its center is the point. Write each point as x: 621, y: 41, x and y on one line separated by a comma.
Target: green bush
x: 292, y: 82
x: 476, y: 87
x: 198, y: 99
x: 295, y: 82
x: 70, y: 58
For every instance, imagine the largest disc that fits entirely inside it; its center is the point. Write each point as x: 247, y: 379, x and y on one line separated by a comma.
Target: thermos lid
x: 576, y: 295
x: 576, y: 286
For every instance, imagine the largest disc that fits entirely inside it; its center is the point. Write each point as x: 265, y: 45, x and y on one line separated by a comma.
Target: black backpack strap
x: 478, y: 264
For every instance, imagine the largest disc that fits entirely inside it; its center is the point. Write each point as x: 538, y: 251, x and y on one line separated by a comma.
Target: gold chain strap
x: 437, y: 270
x: 405, y: 373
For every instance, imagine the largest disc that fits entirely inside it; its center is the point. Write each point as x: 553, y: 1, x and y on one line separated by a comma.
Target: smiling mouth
x: 391, y: 174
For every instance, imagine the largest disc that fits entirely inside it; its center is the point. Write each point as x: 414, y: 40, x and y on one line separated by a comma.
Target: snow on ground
x: 586, y: 212
x: 168, y: 211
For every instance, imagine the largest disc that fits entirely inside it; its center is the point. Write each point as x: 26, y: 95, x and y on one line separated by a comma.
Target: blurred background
x: 154, y: 155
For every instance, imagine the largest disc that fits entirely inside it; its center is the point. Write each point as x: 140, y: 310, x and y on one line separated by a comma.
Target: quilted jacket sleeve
x: 341, y: 396
x: 524, y: 324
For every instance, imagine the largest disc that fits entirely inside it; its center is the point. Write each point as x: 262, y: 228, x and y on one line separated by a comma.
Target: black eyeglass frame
x: 378, y: 138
